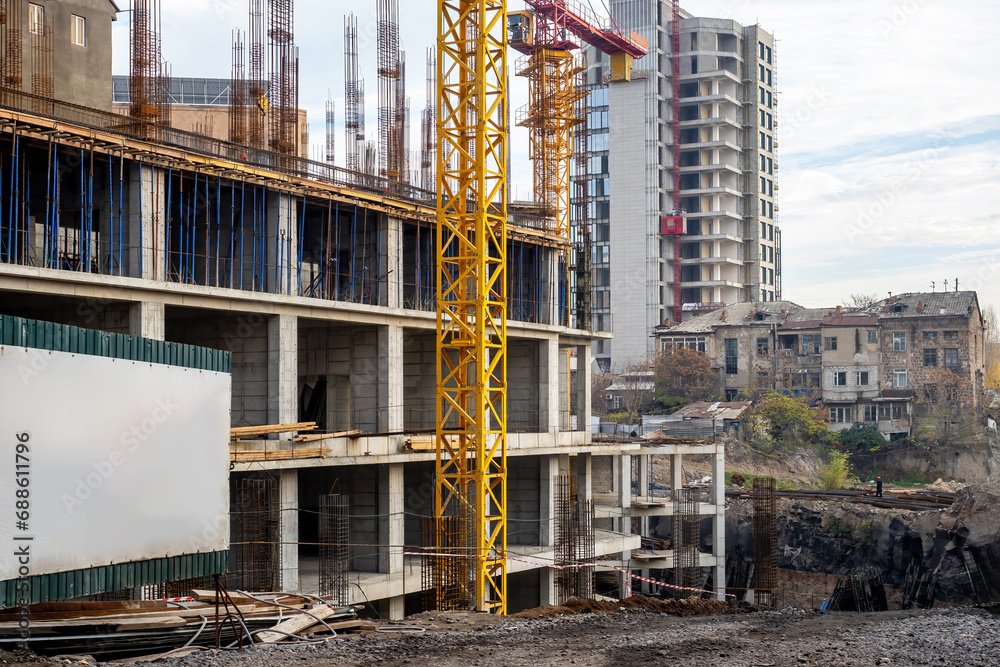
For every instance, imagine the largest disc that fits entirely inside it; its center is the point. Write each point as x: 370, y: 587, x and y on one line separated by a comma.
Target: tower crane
x: 546, y: 35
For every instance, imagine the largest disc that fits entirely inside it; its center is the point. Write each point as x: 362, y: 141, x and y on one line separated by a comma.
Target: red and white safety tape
x: 572, y: 566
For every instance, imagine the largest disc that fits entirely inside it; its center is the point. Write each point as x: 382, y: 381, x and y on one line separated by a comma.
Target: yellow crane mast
x: 471, y: 440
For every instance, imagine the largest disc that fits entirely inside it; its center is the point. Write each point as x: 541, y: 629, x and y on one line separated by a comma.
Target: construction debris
x: 130, y: 629
x: 248, y: 432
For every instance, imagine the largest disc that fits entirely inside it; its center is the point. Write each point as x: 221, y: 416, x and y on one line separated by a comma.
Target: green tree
x: 777, y: 418
x: 682, y: 375
x: 836, y: 474
x: 860, y: 438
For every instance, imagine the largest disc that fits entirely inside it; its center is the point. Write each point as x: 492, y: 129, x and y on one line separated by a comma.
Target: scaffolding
x: 765, y: 536
x: 675, y: 170
x: 574, y: 541
x: 471, y: 335
x: 238, y: 91
x: 354, y: 97
x: 391, y: 94
x: 257, y: 85
x: 255, y: 520
x: 334, y: 538
x: 686, y: 540
x: 283, y: 111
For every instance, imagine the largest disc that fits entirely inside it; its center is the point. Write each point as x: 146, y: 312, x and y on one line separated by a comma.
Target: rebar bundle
x: 765, y: 536
x: 238, y: 91
x: 147, y: 95
x: 284, y: 84
x: 331, y: 130
x: 686, y: 538
x: 256, y: 83
x: 41, y: 60
x: 574, y: 541
x: 255, y: 519
x: 11, y: 20
x: 334, y: 538
x: 354, y: 97
x: 391, y: 93
x: 428, y: 127
x: 447, y: 572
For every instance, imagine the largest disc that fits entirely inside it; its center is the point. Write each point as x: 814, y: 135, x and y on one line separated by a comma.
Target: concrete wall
x: 419, y: 379
x: 523, y: 498
x: 81, y: 74
x: 523, y: 362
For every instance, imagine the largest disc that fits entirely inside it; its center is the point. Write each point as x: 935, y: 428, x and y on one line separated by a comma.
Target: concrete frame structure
x: 732, y: 249
x: 134, y: 258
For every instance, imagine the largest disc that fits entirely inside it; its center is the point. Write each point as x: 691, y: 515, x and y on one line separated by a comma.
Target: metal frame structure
x: 284, y: 82
x: 334, y: 537
x: 147, y: 94
x: 11, y: 22
x: 257, y: 89
x: 471, y: 410
x: 238, y: 94
x: 765, y: 534
x: 391, y: 92
x: 331, y: 137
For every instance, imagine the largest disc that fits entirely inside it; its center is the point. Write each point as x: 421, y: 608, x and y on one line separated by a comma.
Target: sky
x: 888, y: 135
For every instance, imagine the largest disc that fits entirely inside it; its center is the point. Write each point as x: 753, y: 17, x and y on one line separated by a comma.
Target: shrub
x: 861, y: 438
x: 836, y: 474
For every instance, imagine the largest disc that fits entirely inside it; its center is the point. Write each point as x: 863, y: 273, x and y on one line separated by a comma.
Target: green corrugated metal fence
x: 21, y: 332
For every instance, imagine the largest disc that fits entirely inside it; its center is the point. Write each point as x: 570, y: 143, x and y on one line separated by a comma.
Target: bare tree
x: 861, y: 301
x: 634, y: 384
x: 599, y: 383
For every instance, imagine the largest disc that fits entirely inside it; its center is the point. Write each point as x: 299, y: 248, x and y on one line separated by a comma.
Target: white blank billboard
x: 126, y: 461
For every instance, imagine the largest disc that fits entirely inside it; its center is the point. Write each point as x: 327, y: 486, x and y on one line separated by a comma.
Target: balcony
x: 731, y: 261
x: 722, y: 143
x: 718, y: 166
x: 721, y: 190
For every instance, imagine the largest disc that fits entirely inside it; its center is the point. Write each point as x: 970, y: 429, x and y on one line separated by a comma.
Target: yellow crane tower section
x: 471, y: 432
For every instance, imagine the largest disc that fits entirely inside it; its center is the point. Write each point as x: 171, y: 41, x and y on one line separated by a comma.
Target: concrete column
x: 146, y: 226
x: 585, y: 477
x: 147, y: 319
x: 390, y: 378
x: 289, y: 490
x: 282, y: 224
x: 395, y: 508
x: 391, y: 269
x: 719, y: 521
x: 584, y: 397
x: 282, y: 369
x: 548, y: 470
x: 548, y: 386
x: 625, y: 522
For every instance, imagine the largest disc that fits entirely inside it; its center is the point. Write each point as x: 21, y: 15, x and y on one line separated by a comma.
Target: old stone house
x: 909, y: 356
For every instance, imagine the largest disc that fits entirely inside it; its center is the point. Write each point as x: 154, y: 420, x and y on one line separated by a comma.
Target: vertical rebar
x: 238, y: 91
x: 391, y: 93
x: 334, y: 515
x: 284, y: 86
x: 41, y: 59
x: 354, y: 86
x: 574, y: 540
x: 765, y: 541
x: 147, y: 77
x: 256, y: 85
x: 331, y: 136
x: 428, y: 127
x: 686, y: 539
x: 255, y: 560
x: 12, y: 35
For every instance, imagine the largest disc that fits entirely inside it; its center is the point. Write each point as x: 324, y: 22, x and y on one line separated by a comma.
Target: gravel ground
x: 965, y: 637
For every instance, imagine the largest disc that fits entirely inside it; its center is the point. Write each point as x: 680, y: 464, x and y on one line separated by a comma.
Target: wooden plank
x: 312, y: 437
x: 246, y: 431
x: 354, y: 624
x: 209, y: 596
x: 279, y: 454
x: 421, y: 443
x: 296, y: 624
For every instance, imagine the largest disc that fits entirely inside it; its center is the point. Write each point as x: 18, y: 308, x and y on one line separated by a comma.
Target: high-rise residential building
x: 730, y: 250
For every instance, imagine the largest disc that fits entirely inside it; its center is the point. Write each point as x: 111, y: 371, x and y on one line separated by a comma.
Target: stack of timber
x: 131, y: 629
x: 255, y: 432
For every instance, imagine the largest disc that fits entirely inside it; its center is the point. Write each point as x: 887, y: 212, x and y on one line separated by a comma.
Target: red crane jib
x: 580, y: 20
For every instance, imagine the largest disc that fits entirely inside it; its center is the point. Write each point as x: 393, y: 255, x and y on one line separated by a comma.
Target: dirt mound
x: 692, y: 606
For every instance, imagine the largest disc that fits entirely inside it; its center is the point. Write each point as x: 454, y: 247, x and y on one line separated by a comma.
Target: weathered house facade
x: 909, y: 356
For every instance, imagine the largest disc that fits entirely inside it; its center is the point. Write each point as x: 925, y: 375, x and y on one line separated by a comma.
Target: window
x: 78, y: 31
x: 731, y: 394
x: 770, y: 280
x: 761, y: 45
x: 811, y: 343
x: 761, y: 72
x: 930, y: 336
x: 769, y: 99
x: 951, y: 357
x: 951, y: 335
x: 930, y: 357
x: 899, y: 342
x: 770, y: 232
x: 873, y: 337
x: 840, y: 415
x: 763, y: 346
x: 899, y: 378
x: 891, y: 412
x: 830, y: 343
x: 871, y: 413
x: 696, y: 343
x: 768, y: 55
x: 762, y: 97
x: 731, y: 354
x: 862, y: 378
x: 840, y: 379
x: 36, y: 18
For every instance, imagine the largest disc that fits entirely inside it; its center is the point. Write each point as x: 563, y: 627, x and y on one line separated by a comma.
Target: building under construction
x: 321, y: 283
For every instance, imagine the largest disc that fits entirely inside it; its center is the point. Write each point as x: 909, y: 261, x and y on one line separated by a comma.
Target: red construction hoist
x: 674, y: 225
